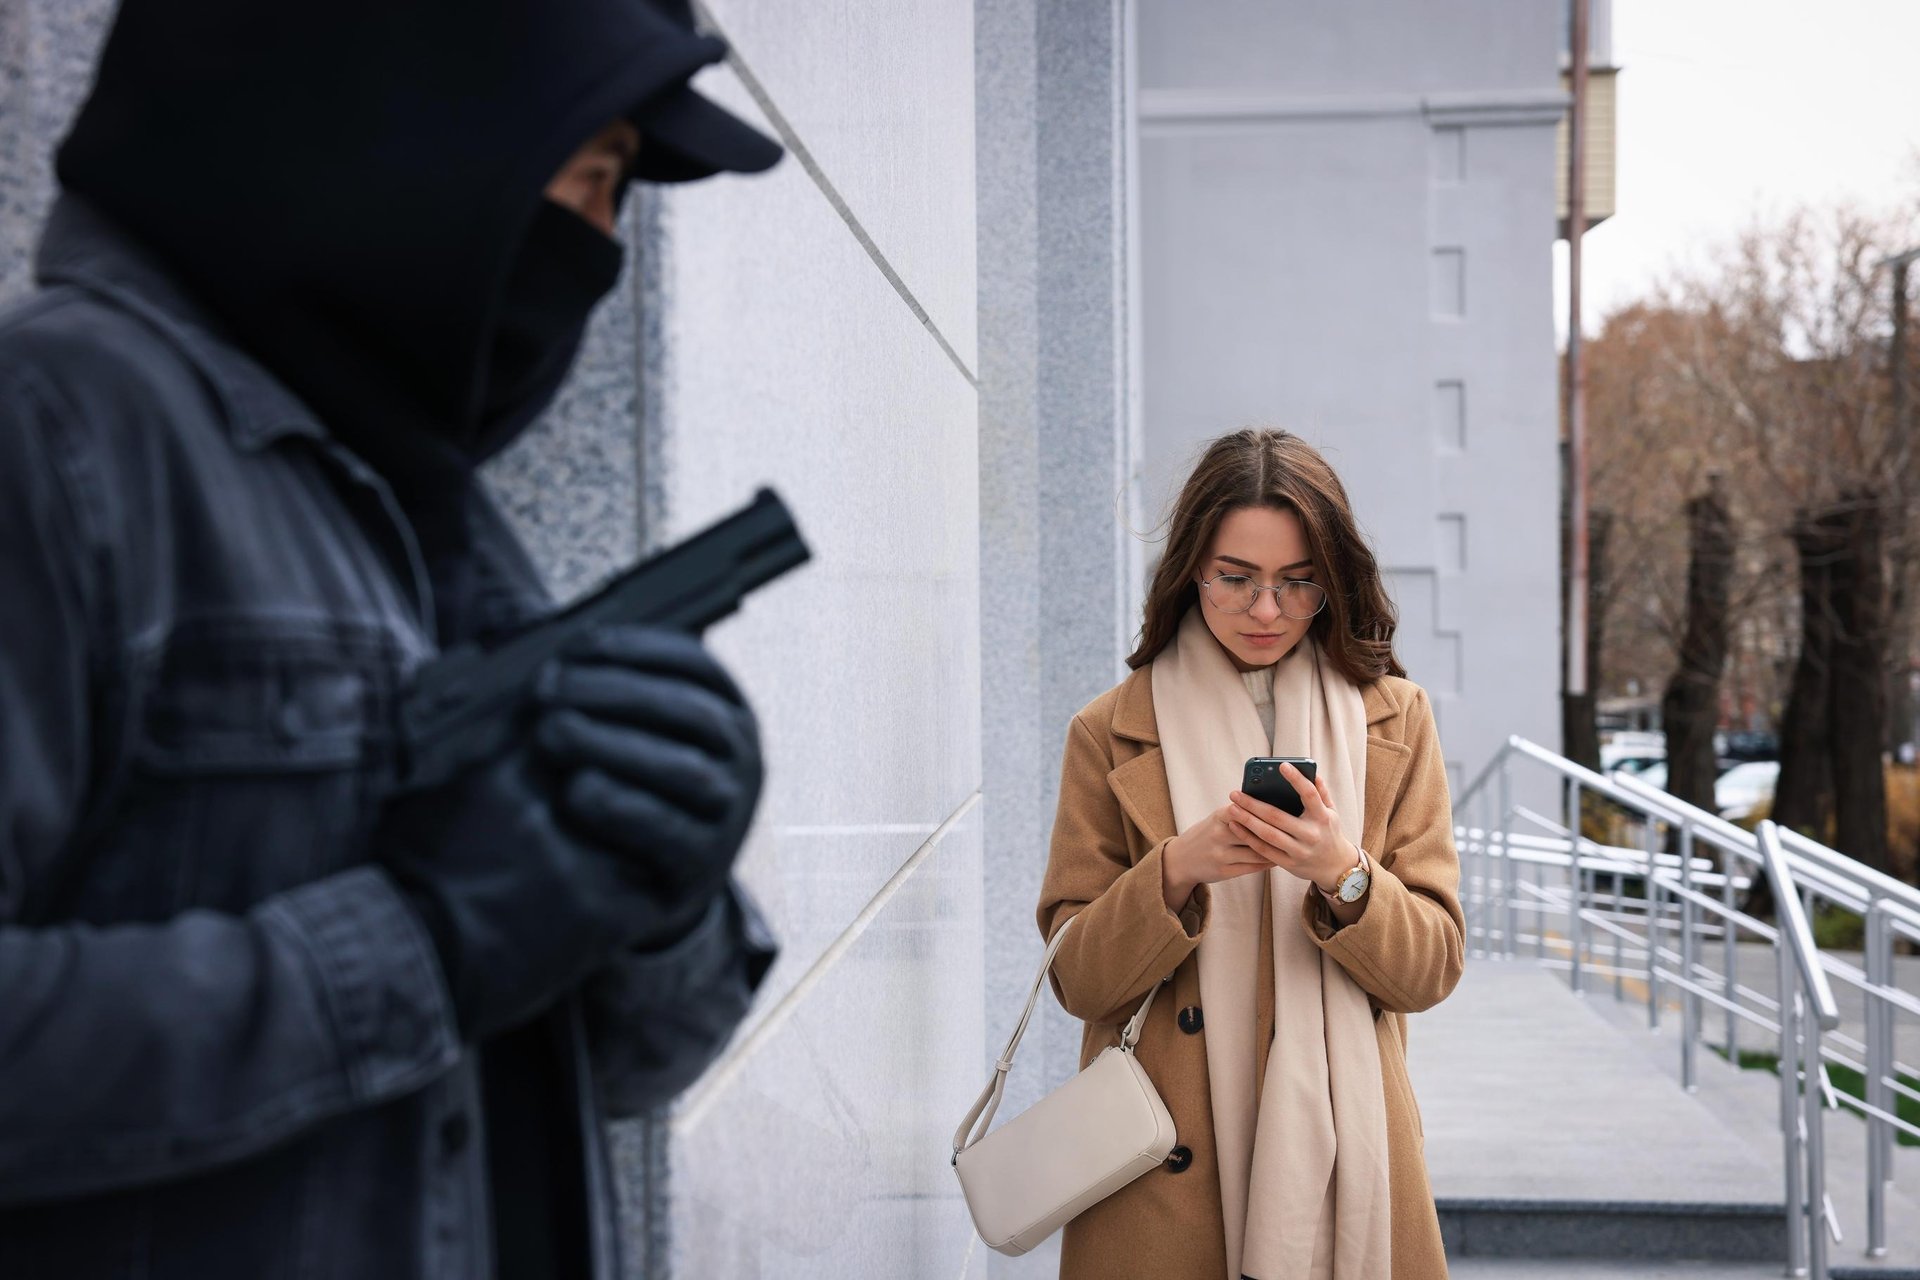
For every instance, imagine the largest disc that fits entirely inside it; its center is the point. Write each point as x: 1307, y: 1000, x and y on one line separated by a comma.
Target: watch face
x: 1353, y: 884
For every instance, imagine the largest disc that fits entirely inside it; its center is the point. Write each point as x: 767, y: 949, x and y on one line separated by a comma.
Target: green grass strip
x: 1845, y: 1080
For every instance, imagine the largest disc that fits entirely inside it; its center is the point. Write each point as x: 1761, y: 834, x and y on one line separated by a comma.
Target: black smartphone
x: 1264, y: 781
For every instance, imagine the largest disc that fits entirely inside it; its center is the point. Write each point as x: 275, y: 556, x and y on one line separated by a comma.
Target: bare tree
x: 1690, y: 709
x: 1772, y: 365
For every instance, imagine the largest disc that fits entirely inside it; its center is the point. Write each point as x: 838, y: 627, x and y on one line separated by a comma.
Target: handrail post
x: 1789, y: 1049
x: 1879, y: 1064
x: 1475, y: 872
x: 1506, y: 851
x: 1689, y: 1002
x: 1469, y: 891
x: 1539, y: 909
x: 1790, y: 1116
x: 1800, y: 1032
x: 1814, y: 1099
x: 1730, y: 953
x: 1576, y: 892
x: 1619, y: 944
x: 1494, y: 910
x: 1483, y: 857
x: 1650, y: 899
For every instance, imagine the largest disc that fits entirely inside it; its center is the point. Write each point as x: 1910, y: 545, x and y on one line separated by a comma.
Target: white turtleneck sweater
x: 1260, y: 689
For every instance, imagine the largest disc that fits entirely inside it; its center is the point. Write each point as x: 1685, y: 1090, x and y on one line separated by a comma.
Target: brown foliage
x: 1771, y: 366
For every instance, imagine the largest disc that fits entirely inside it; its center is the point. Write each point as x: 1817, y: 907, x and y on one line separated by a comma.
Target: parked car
x: 1631, y: 757
x: 1654, y: 775
x: 1744, y: 788
x: 1747, y: 745
x: 1737, y: 792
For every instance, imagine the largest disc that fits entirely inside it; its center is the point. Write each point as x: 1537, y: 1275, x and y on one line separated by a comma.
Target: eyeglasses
x: 1236, y: 593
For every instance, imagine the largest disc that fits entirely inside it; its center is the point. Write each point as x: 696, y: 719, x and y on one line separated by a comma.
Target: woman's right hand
x: 1206, y: 853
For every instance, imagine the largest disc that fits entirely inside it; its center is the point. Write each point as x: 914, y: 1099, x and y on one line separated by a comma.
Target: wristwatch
x: 1353, y: 883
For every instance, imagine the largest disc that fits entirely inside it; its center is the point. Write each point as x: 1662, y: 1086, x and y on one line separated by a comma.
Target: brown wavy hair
x: 1277, y: 469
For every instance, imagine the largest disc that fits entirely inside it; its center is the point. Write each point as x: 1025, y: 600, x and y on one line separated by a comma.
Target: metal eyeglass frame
x: 1207, y: 586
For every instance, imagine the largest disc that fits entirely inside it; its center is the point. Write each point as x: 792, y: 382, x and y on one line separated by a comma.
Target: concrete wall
x: 819, y: 333
x: 1346, y: 223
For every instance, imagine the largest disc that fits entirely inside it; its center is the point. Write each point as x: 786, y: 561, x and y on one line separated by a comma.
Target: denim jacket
x: 226, y: 1048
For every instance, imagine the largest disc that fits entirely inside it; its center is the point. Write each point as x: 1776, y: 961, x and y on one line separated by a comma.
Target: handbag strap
x: 980, y: 1119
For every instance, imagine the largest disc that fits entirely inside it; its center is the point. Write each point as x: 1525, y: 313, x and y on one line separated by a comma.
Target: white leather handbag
x: 1070, y: 1150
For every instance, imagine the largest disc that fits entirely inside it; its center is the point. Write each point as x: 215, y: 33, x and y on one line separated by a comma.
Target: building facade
x: 1346, y: 221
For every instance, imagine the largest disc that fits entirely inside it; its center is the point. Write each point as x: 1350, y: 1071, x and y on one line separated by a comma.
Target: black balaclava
x: 564, y: 267
x: 356, y: 191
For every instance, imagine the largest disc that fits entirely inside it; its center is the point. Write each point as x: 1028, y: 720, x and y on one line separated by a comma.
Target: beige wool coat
x: 1406, y: 952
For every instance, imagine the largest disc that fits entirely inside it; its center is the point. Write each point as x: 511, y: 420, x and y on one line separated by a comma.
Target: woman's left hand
x: 1310, y: 846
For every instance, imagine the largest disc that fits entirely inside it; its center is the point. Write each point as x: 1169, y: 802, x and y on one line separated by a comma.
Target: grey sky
x: 1732, y: 109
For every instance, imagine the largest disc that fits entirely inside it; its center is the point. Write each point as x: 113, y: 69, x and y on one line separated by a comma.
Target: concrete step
x: 1645, y: 1231
x: 1591, y: 1269
x: 1549, y: 1134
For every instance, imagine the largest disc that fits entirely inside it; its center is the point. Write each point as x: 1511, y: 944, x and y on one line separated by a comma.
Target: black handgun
x: 463, y: 706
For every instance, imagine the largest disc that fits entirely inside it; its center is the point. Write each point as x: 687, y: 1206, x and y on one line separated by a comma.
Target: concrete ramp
x: 1550, y: 1135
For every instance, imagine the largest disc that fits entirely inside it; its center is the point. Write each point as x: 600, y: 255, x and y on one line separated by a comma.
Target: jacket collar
x: 1379, y: 703
x: 1133, y: 716
x: 81, y: 247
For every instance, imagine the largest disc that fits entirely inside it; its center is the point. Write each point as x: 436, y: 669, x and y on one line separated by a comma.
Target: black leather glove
x: 537, y: 868
x: 660, y: 757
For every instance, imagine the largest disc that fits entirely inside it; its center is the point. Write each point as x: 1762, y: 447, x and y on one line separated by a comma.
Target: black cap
x: 685, y: 136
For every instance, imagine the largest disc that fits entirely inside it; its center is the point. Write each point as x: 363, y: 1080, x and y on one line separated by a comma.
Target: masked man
x: 309, y: 268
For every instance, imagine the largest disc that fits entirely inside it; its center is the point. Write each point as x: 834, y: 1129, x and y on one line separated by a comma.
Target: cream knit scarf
x: 1303, y: 1165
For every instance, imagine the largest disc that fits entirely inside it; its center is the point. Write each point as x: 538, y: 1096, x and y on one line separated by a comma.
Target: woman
x: 1293, y: 946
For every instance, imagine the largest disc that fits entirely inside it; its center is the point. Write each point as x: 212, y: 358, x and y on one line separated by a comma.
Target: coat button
x: 454, y: 1131
x: 1178, y: 1159
x: 1191, y: 1020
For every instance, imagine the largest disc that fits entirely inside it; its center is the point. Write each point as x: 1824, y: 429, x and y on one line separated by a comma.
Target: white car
x: 1744, y: 788
x: 1737, y: 792
x: 1631, y: 757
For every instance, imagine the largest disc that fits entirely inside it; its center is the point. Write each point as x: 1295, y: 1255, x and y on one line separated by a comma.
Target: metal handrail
x: 1786, y: 897
x: 1901, y: 897
x: 1677, y: 918
x: 1806, y: 1140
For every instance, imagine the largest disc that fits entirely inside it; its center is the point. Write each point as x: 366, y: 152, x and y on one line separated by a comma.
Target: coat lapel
x: 1139, y: 782
x: 1140, y: 785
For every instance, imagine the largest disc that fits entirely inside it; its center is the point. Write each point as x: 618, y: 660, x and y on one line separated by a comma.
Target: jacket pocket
x: 256, y: 755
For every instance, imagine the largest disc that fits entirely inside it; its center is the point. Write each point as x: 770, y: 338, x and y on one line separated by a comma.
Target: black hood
x: 348, y: 186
